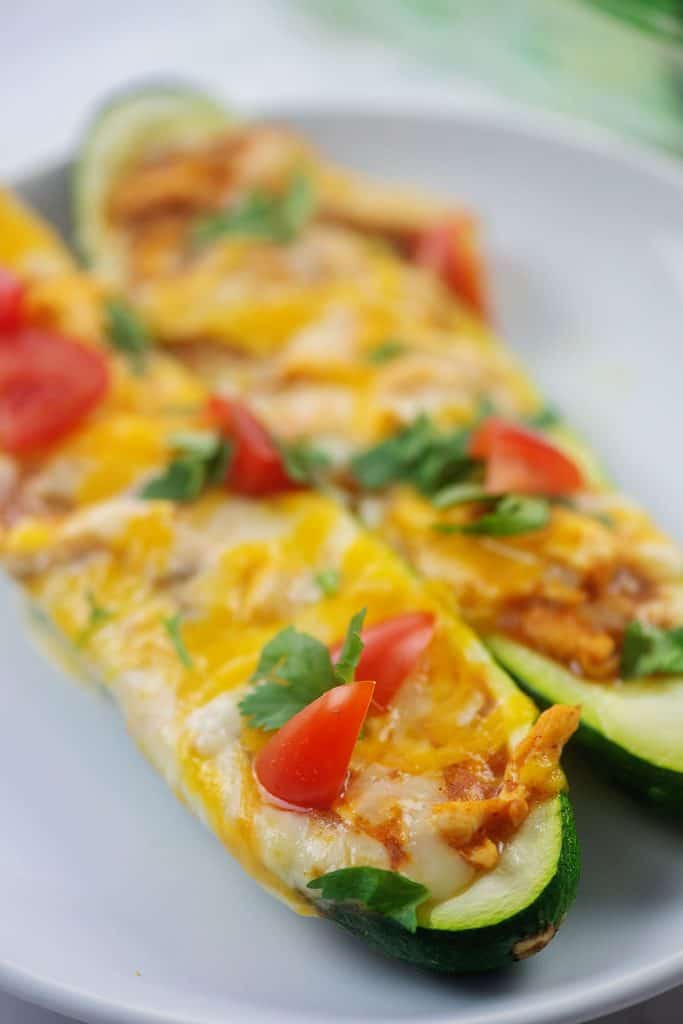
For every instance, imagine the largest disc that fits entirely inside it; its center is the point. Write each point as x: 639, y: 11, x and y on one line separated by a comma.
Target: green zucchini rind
x: 634, y: 729
x: 146, y: 116
x: 506, y: 915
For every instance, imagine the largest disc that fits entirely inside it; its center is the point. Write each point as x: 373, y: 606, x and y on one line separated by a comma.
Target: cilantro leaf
x: 293, y: 670
x: 510, y: 515
x: 182, y: 480
x: 417, y: 454
x: 385, y: 892
x: 127, y: 333
x: 648, y: 650
x: 303, y: 462
x: 296, y: 207
x: 278, y: 218
x: 352, y: 648
x: 394, y: 458
x: 97, y: 616
x: 173, y: 629
x: 386, y: 351
x: 545, y: 417
x: 202, y: 443
x: 328, y: 580
x: 460, y: 494
x: 204, y: 459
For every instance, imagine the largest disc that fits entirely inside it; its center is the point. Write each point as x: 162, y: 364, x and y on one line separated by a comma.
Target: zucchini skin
x: 475, y: 949
x: 89, y: 249
x: 662, y: 787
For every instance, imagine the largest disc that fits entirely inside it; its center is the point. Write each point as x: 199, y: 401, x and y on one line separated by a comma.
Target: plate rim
x: 565, y: 1005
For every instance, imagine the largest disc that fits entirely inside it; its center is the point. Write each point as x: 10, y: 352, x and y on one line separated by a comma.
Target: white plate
x: 117, y: 906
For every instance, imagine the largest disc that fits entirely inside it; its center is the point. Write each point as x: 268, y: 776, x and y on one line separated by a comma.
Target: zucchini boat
x: 190, y: 570
x: 164, y: 172
x: 355, y: 364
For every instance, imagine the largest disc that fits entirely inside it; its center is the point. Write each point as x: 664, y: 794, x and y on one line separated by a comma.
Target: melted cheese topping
x: 567, y: 590
x: 110, y: 570
x: 306, y: 317
x: 238, y: 571
x: 125, y: 438
x: 28, y: 244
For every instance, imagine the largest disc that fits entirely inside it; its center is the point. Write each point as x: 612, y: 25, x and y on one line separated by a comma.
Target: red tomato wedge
x: 521, y: 461
x: 48, y: 384
x: 450, y: 250
x: 391, y: 650
x: 12, y: 292
x: 256, y: 466
x: 306, y: 762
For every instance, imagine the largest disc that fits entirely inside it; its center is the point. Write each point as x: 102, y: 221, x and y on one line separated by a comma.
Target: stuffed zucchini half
x: 574, y: 589
x: 163, y: 174
x: 356, y: 349
x: 322, y: 709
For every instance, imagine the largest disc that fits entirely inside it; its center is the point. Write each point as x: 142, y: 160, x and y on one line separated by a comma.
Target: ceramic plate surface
x: 118, y: 907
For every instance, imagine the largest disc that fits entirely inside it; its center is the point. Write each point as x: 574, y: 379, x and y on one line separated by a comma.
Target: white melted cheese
x: 298, y: 846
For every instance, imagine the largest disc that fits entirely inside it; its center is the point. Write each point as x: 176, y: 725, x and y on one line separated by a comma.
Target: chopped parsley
x: 173, y: 629
x: 460, y: 494
x: 203, y: 459
x: 303, y: 462
x: 648, y: 650
x: 127, y: 333
x: 295, y: 669
x: 386, y: 351
x: 510, y: 515
x: 385, y: 892
x: 328, y: 580
x: 277, y: 218
x: 547, y: 416
x: 419, y: 455
x: 352, y: 648
x: 97, y: 616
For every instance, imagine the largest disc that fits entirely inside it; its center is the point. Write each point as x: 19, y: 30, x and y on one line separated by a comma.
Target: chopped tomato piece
x: 306, y: 762
x: 12, y: 292
x: 450, y: 250
x: 521, y: 461
x: 48, y: 384
x: 391, y: 650
x: 256, y: 466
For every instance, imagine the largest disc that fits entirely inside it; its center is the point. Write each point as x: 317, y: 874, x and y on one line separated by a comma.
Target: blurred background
x: 615, y: 64
x: 618, y: 62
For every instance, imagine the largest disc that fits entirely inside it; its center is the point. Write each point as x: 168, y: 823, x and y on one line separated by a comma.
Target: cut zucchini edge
x: 157, y: 114
x: 508, y: 914
x: 634, y: 732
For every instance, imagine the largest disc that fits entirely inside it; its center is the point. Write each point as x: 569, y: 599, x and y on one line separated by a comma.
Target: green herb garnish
x: 97, y: 615
x: 419, y: 455
x: 547, y: 416
x: 648, y: 650
x: 295, y: 669
x: 461, y: 494
x: 510, y: 515
x: 386, y: 351
x: 172, y: 627
x: 328, y: 580
x: 303, y: 462
x: 127, y: 333
x: 203, y: 460
x: 385, y: 892
x: 352, y: 648
x: 278, y: 218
